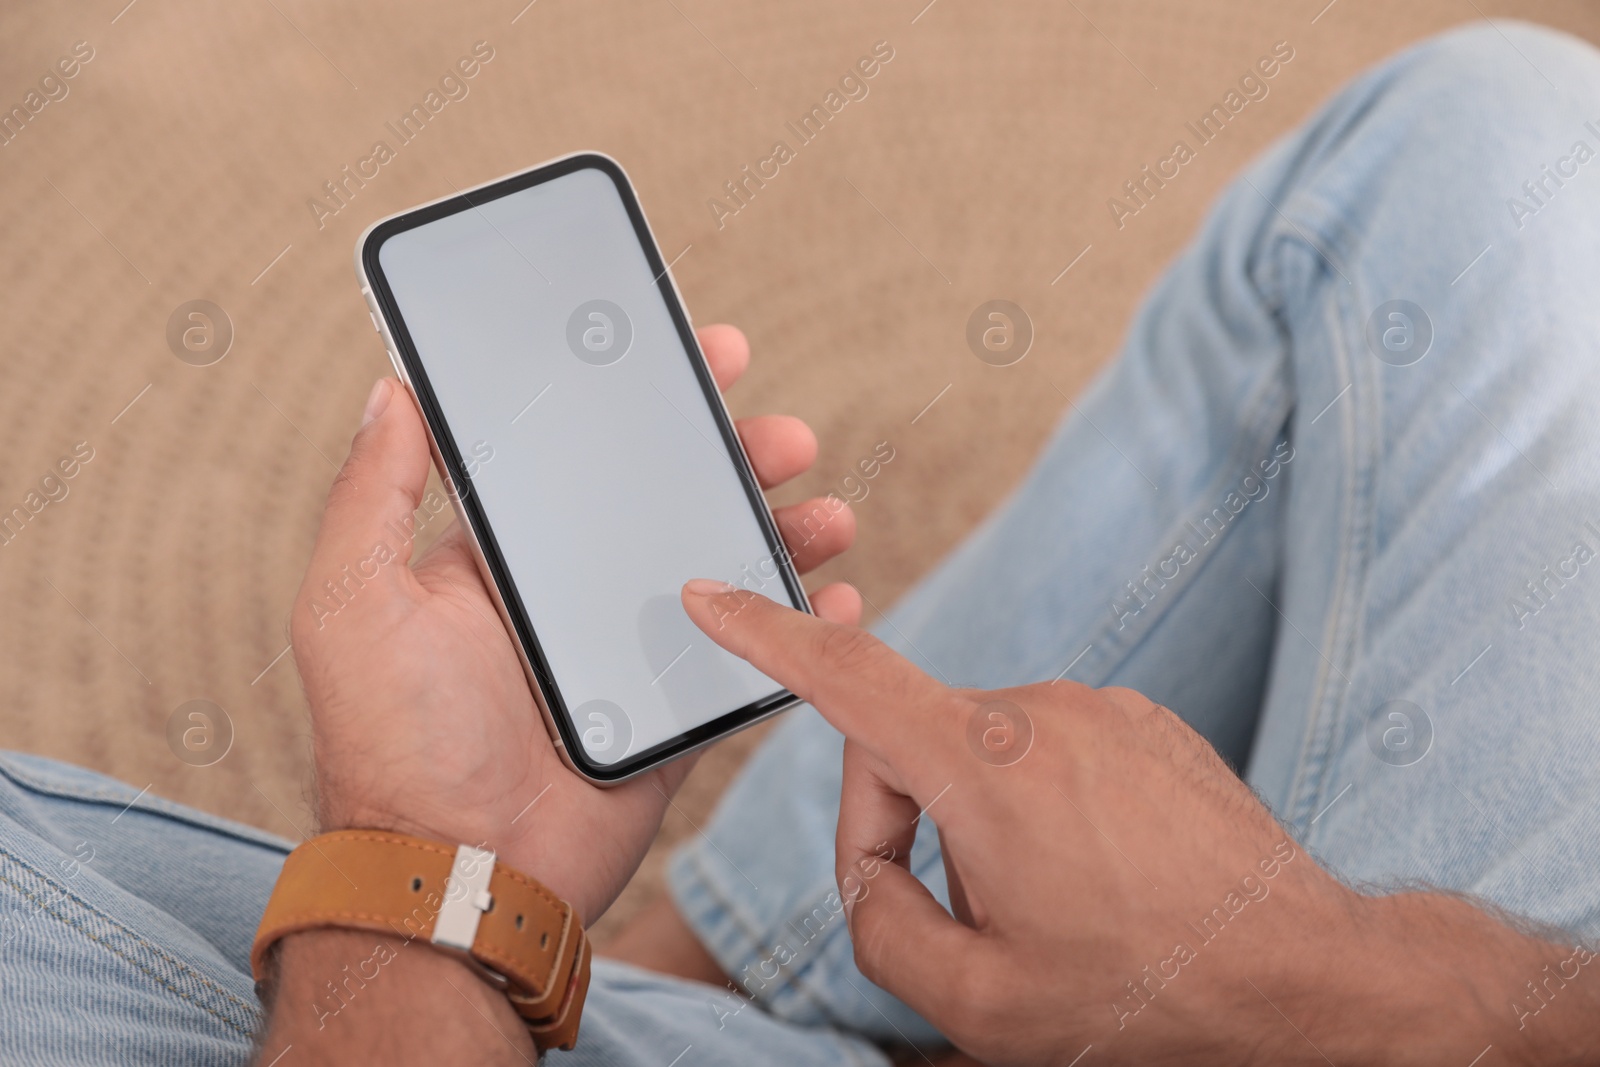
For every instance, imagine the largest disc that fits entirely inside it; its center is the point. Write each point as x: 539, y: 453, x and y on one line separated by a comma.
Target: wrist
x: 1424, y: 977
x: 336, y: 990
x: 504, y: 928
x: 336, y: 814
x: 513, y: 846
x: 342, y: 808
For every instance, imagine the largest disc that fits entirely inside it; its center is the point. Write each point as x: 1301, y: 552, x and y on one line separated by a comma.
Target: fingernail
x: 377, y: 400
x: 707, y: 587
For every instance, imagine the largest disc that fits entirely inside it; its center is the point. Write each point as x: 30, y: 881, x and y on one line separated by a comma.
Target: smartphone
x: 586, y: 450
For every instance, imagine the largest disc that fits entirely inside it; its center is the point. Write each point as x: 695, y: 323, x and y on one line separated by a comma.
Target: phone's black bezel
x: 470, y: 506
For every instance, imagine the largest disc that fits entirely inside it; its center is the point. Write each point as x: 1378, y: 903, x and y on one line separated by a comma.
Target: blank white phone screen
x: 591, y: 449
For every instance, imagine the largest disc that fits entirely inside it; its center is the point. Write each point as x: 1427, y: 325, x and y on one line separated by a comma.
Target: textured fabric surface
x: 177, y: 164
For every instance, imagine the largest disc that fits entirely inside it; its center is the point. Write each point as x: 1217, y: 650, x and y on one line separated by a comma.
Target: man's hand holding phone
x: 422, y: 720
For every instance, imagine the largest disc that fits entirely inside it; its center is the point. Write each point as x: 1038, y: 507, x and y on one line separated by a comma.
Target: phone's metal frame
x: 407, y: 363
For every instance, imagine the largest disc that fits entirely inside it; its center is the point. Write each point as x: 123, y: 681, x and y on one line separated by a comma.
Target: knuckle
x: 344, y: 484
x: 1124, y: 698
x: 1131, y: 705
x: 305, y: 638
x: 1065, y: 688
x: 866, y: 948
x: 343, y: 498
x: 848, y: 649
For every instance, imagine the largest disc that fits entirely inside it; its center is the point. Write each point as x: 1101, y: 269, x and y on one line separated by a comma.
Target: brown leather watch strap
x: 527, y: 941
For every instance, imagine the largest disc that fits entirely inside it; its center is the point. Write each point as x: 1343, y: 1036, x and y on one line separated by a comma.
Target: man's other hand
x: 1113, y: 883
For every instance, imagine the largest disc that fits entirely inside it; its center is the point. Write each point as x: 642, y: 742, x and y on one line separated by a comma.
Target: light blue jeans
x: 1352, y: 541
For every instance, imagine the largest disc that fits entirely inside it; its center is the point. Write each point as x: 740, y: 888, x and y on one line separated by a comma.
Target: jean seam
x: 1318, y: 229
x: 154, y: 805
x: 712, y: 888
x: 82, y: 905
x: 1326, y: 704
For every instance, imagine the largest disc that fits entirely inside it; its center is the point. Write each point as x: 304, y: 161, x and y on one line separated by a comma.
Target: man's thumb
x: 369, y: 523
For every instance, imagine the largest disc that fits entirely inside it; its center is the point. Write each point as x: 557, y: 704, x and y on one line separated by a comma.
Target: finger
x: 960, y: 903
x: 867, y: 691
x: 904, y: 939
x: 371, y: 506
x: 727, y: 352
x: 838, y: 603
x: 779, y: 446
x: 816, y: 530
x: 877, y: 823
